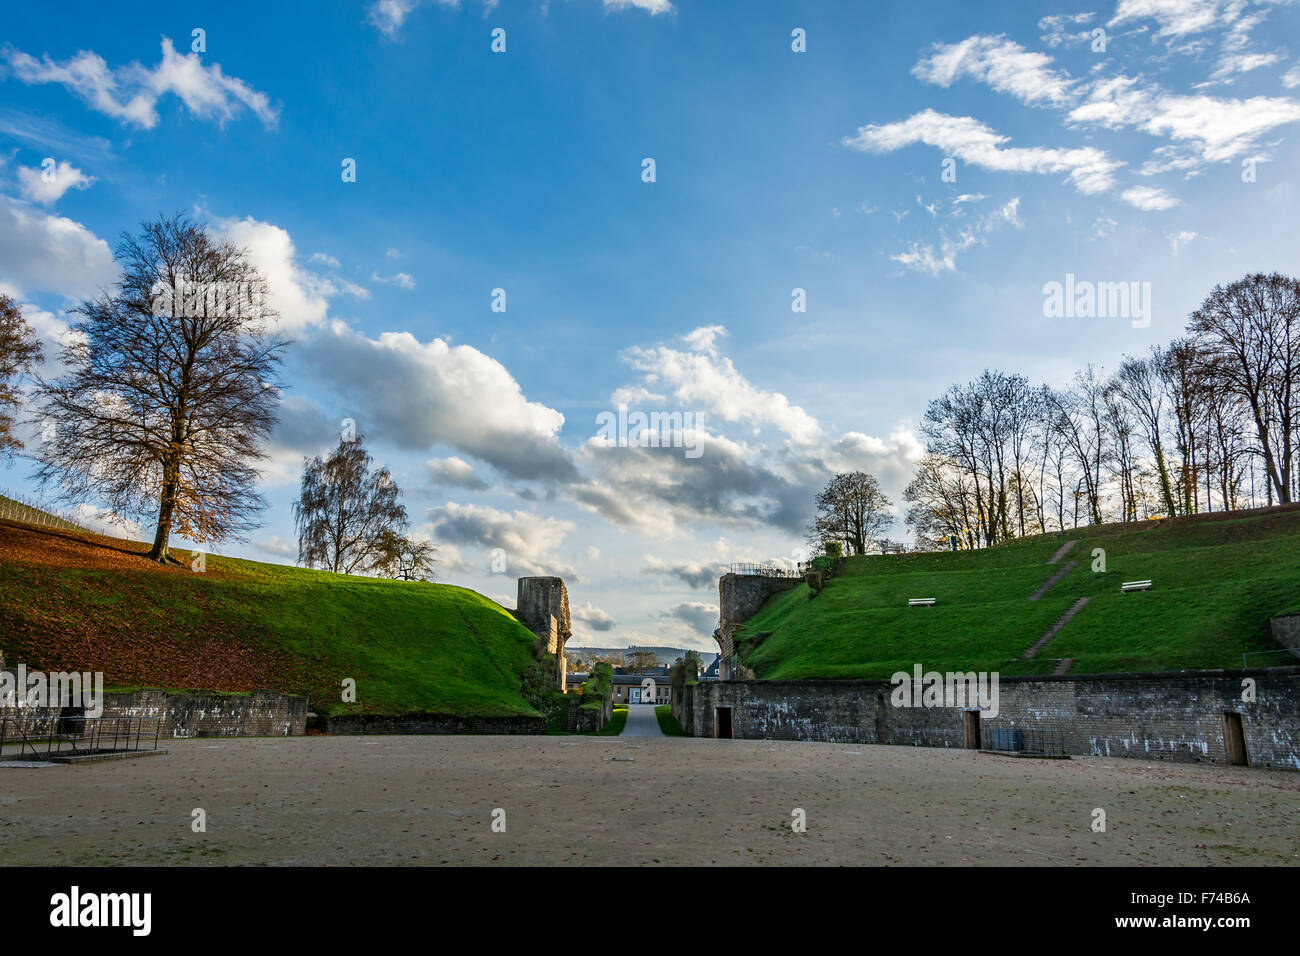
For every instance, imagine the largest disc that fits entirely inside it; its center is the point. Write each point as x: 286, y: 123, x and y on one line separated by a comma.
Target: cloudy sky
x: 502, y: 272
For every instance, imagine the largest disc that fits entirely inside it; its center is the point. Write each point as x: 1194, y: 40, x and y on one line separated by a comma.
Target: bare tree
x: 853, y: 510
x: 1078, y: 415
x: 350, y: 519
x: 1140, y: 385
x: 410, y: 559
x: 20, y: 350
x: 1248, y: 340
x: 942, y: 505
x: 170, y: 390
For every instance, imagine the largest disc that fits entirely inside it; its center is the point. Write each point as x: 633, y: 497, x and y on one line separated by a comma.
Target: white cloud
x: 421, y: 394
x: 455, y: 472
x: 1291, y: 78
x: 131, y: 93
x: 1002, y: 64
x: 1057, y: 29
x: 299, y: 296
x: 40, y: 252
x: 1090, y: 170
x: 1208, y: 129
x: 400, y: 279
x: 528, y: 540
x: 701, y: 380
x: 1178, y: 241
x: 691, y: 573
x: 595, y: 618
x: 33, y: 184
x: 1236, y: 63
x: 653, y: 7
x: 925, y: 257
x: 1149, y: 198
x: 696, y: 614
x: 324, y: 259
x: 389, y: 15
x: 278, y: 546
x: 1176, y: 18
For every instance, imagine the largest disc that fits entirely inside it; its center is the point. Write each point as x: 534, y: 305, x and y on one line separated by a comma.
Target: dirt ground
x: 430, y: 800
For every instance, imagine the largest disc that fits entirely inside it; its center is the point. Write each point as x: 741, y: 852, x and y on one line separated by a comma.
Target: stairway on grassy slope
x: 1055, y: 629
x: 1047, y: 585
x: 1063, y: 550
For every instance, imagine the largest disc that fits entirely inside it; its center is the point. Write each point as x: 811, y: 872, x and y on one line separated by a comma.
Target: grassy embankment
x: 1217, y: 582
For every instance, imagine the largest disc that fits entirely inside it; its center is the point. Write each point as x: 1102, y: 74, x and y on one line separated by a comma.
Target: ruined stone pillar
x: 542, y: 606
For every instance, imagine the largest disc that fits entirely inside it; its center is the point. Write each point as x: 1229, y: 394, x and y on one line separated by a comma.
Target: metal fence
x: 764, y: 570
x: 1022, y: 740
x: 16, y: 507
x: 1271, y: 657
x: 56, y: 735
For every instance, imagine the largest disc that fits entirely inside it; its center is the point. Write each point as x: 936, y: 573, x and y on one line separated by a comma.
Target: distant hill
x: 71, y: 600
x: 1218, y: 579
x: 664, y: 655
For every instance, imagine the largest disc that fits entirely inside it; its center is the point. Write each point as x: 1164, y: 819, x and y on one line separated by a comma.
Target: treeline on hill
x: 1209, y: 422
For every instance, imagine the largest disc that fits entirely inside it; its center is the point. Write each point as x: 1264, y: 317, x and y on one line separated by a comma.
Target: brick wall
x: 739, y: 598
x: 262, y: 713
x: 1167, y: 716
x: 431, y: 724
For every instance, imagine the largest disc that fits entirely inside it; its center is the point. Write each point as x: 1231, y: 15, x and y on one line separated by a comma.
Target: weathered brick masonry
x: 263, y: 713
x: 431, y: 724
x: 1162, y: 716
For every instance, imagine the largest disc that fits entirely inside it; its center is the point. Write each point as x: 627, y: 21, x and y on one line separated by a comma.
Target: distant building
x: 633, y: 689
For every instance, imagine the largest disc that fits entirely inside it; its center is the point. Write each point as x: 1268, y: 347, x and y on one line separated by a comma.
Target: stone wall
x: 739, y: 598
x: 1286, y: 631
x: 1160, y: 716
x: 430, y: 724
x: 263, y: 713
x: 542, y: 606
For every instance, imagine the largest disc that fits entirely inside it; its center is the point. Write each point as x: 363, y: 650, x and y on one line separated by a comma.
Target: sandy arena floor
x: 430, y: 800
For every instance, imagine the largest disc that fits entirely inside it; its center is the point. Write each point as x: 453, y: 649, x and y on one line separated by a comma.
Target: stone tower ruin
x: 542, y: 606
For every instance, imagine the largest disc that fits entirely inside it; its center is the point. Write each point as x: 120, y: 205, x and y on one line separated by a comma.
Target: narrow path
x: 1055, y: 629
x: 641, y: 721
x: 1063, y: 551
x: 1056, y: 576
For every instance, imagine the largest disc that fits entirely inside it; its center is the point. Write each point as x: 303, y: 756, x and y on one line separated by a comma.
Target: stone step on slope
x: 1055, y: 629
x: 1063, y: 551
x: 1056, y: 576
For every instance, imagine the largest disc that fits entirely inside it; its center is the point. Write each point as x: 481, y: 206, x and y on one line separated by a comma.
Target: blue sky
x: 775, y: 170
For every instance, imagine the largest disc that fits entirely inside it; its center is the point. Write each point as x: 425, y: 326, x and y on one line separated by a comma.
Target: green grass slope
x: 1217, y: 581
x: 70, y: 602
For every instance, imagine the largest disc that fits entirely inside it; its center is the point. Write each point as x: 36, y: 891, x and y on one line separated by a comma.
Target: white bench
x: 920, y: 602
x: 1135, y: 586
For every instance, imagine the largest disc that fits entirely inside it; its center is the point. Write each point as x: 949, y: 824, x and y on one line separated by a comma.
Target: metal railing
x: 1022, y: 740
x: 56, y: 735
x: 1295, y: 654
x: 763, y: 570
x: 27, y: 510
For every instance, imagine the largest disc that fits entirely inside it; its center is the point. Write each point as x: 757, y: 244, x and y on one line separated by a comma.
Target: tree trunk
x: 166, y: 509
